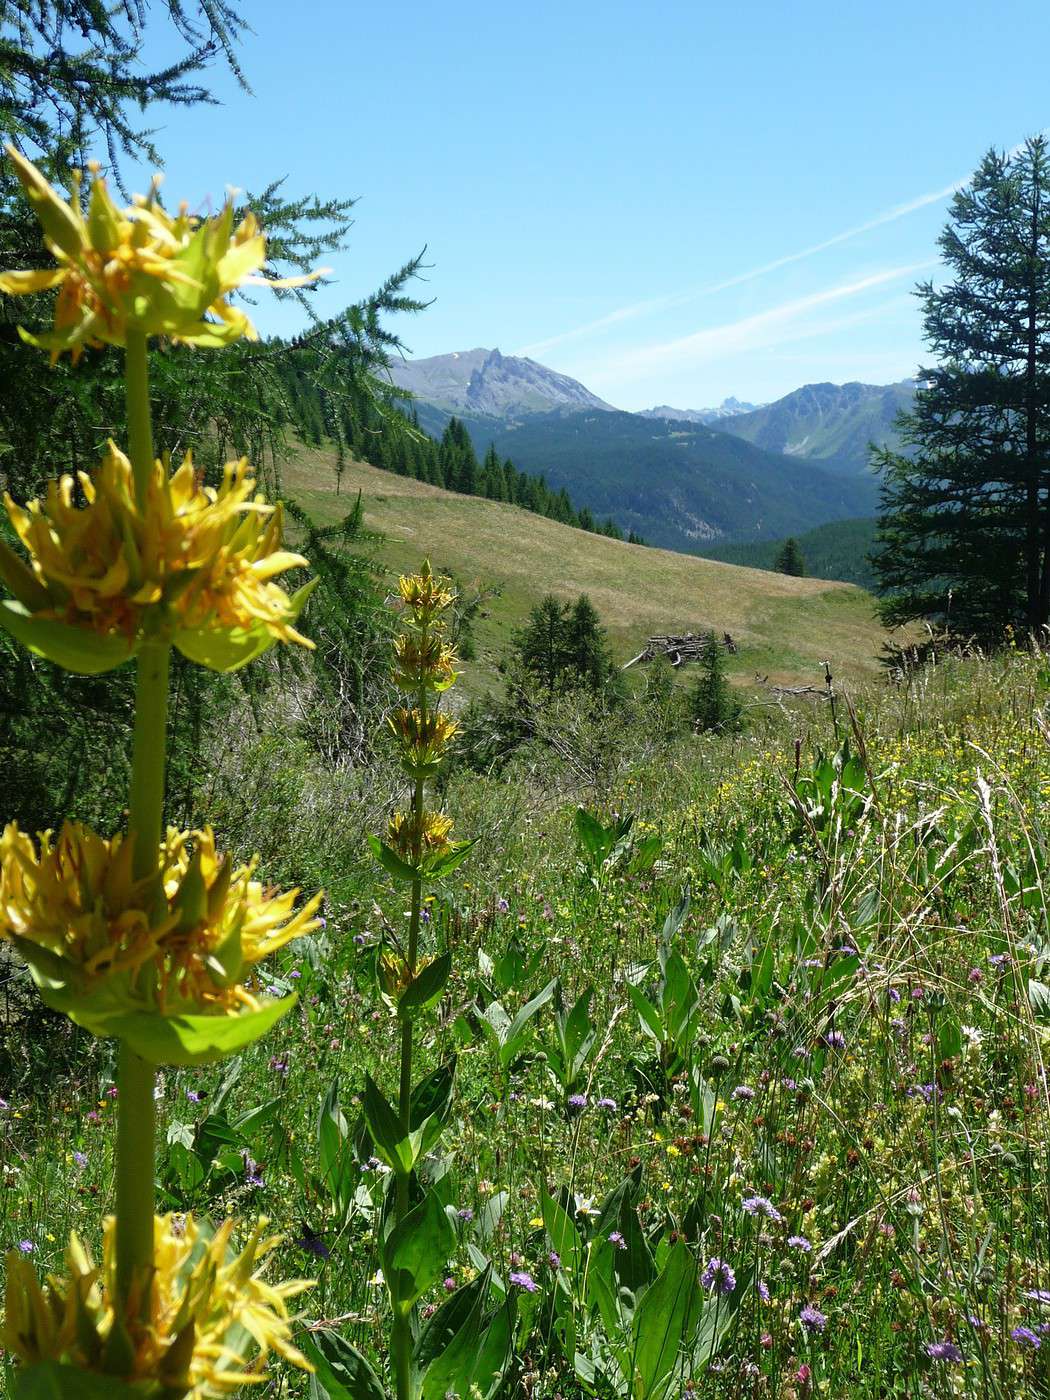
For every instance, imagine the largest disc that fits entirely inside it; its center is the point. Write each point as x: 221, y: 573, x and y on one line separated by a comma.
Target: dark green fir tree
x: 789, y: 559
x: 713, y: 706
x: 964, y: 530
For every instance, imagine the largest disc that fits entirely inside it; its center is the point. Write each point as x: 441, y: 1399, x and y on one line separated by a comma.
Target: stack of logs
x: 679, y: 649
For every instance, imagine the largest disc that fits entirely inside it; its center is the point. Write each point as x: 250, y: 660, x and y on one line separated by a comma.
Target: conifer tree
x: 964, y: 532
x: 789, y: 559
x: 713, y: 706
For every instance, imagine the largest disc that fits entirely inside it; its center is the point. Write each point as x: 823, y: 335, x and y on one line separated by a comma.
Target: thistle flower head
x: 165, y: 962
x: 425, y: 595
x: 210, y: 1322
x: 423, y: 736
x: 193, y: 564
x: 139, y: 268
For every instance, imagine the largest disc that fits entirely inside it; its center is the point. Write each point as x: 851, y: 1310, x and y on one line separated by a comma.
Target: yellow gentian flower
x: 138, y: 268
x: 194, y: 565
x: 166, y: 962
x: 211, y: 1321
x: 429, y: 834
x: 423, y: 736
x: 425, y: 594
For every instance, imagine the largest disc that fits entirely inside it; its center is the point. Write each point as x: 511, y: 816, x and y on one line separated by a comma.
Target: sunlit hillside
x: 784, y: 627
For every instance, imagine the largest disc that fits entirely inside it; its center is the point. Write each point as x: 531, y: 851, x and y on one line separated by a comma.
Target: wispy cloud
x: 791, y: 320
x: 641, y: 308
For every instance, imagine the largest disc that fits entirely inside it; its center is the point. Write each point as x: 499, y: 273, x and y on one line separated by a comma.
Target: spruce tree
x: 585, y: 647
x: 789, y: 559
x: 964, y: 530
x: 712, y: 705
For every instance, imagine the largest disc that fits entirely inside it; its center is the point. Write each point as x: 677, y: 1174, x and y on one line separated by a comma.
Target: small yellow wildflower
x: 194, y: 565
x: 114, y: 952
x: 138, y: 269
x: 209, y: 1309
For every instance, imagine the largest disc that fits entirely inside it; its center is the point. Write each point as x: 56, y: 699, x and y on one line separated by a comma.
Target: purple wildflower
x: 577, y: 1102
x: 812, y: 1319
x: 618, y: 1240
x: 759, y: 1205
x: 520, y: 1279
x: 465, y: 1213
x: 502, y: 906
x: 1038, y: 1295
x: 252, y: 1170
x: 718, y: 1277
x: 743, y: 1091
x: 608, y: 1103
x: 799, y: 1242
x: 944, y: 1351
x: 554, y: 1260
x: 193, y: 1096
x: 26, y: 1246
x: 763, y: 1290
x: 836, y: 1040
x: 1025, y: 1337
x: 80, y: 1158
x: 449, y: 1285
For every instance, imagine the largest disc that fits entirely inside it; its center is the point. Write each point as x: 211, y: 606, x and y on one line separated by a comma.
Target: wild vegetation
x: 637, y: 1032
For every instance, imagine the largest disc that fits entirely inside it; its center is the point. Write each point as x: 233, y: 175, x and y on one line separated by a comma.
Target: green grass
x: 867, y: 951
x: 785, y: 627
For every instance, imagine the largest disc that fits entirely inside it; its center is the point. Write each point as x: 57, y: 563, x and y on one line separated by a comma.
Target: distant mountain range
x: 488, y: 384
x: 728, y: 408
x: 686, y: 479
x: 829, y: 423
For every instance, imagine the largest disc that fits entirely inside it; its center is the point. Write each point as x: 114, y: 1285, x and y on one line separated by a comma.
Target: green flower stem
x: 401, y: 1330
x: 140, y: 432
x: 137, y: 1118
x: 136, y: 1129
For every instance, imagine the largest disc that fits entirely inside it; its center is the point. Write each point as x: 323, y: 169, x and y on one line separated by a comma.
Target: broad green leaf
x: 185, y: 1040
x: 391, y: 862
x: 73, y: 648
x: 444, y: 1353
x: 664, y: 1322
x: 652, y: 1021
x: 444, y: 865
x: 342, y: 1372
x: 596, y: 839
x: 417, y: 1251
x: 425, y: 989
x: 398, y: 1150
x: 563, y: 1234
x: 514, y: 1039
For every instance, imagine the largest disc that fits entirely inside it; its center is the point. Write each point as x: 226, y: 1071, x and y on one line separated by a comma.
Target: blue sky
x: 672, y: 202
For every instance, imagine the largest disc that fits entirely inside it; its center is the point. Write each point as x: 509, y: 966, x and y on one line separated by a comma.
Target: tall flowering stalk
x: 417, y: 849
x: 151, y: 937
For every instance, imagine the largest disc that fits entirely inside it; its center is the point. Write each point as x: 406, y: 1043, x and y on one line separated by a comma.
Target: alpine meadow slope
x: 784, y: 627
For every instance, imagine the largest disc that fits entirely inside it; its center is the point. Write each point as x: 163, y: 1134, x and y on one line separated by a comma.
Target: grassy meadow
x: 796, y: 1033
x: 785, y: 627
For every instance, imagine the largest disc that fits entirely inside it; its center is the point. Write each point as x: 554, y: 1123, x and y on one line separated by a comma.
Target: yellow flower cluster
x: 101, y: 944
x: 423, y: 661
x: 138, y: 268
x: 425, y: 595
x: 209, y: 1310
x: 419, y: 840
x: 423, y: 736
x: 193, y: 564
